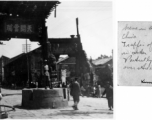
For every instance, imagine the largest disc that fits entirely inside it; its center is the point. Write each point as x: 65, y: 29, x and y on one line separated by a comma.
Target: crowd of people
x: 92, y: 91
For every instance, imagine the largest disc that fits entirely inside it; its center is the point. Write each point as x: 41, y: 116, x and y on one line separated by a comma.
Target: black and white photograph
x: 56, y: 59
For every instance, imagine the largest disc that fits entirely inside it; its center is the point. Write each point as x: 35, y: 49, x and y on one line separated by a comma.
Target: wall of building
x: 104, y: 73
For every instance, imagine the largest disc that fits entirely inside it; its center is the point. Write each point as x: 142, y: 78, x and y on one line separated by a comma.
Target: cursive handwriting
x: 150, y: 27
x: 143, y: 81
x: 129, y: 67
x: 129, y: 28
x: 150, y: 46
x: 134, y: 28
x: 142, y: 28
x: 145, y: 67
x: 134, y: 45
x: 125, y: 53
x: 128, y: 36
x: 139, y: 52
x: 135, y: 52
x: 137, y: 59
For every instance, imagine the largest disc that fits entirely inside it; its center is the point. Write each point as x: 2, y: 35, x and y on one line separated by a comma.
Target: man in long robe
x: 75, y: 92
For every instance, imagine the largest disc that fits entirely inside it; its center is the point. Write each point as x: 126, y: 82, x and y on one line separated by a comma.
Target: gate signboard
x: 64, y: 48
x: 20, y: 28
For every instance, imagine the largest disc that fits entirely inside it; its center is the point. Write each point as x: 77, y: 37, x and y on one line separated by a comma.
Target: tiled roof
x: 101, y: 61
x: 20, y: 55
x: 67, y: 60
x: 4, y: 57
x: 37, y: 9
x: 15, y: 58
x: 62, y: 59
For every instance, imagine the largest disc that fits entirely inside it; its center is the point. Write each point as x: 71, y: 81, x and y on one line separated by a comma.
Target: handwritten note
x: 135, y: 53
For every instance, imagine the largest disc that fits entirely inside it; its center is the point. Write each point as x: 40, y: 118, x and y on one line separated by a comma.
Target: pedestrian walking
x: 82, y: 91
x: 99, y: 91
x: 88, y: 90
x: 109, y: 94
x: 68, y: 89
x: 0, y: 96
x: 0, y: 102
x: 75, y: 92
x: 46, y: 75
x: 94, y: 91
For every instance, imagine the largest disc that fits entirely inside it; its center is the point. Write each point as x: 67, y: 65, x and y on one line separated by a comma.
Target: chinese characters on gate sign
x: 23, y: 28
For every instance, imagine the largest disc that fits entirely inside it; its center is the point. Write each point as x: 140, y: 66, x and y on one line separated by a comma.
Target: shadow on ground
x: 11, y: 94
x: 19, y: 106
x: 79, y: 112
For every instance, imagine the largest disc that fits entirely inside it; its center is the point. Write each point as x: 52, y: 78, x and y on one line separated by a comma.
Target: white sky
x: 95, y: 28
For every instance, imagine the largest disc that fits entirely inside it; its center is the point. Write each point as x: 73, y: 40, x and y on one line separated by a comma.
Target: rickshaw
x: 4, y: 111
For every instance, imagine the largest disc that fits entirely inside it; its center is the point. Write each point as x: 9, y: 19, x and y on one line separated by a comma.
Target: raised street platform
x: 44, y: 98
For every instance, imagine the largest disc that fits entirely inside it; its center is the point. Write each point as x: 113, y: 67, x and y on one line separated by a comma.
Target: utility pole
x: 27, y: 66
x: 79, y: 49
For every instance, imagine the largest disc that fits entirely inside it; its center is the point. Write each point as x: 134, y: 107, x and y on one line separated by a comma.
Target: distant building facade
x: 103, y: 70
x: 23, y: 68
x: 69, y: 63
x: 29, y: 67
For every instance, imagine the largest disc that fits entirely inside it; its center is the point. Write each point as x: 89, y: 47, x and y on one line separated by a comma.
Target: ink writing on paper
x: 135, y: 53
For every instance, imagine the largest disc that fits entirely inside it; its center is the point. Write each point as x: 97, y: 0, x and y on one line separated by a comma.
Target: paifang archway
x: 73, y: 48
x: 26, y: 19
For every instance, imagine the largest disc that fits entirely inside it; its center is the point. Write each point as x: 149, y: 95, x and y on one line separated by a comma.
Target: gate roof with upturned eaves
x: 36, y: 9
x: 24, y: 19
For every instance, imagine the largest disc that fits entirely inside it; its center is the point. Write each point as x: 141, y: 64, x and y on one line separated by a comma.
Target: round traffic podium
x: 44, y: 98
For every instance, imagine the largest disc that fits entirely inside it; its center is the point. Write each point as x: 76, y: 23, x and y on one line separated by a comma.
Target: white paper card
x: 135, y: 53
